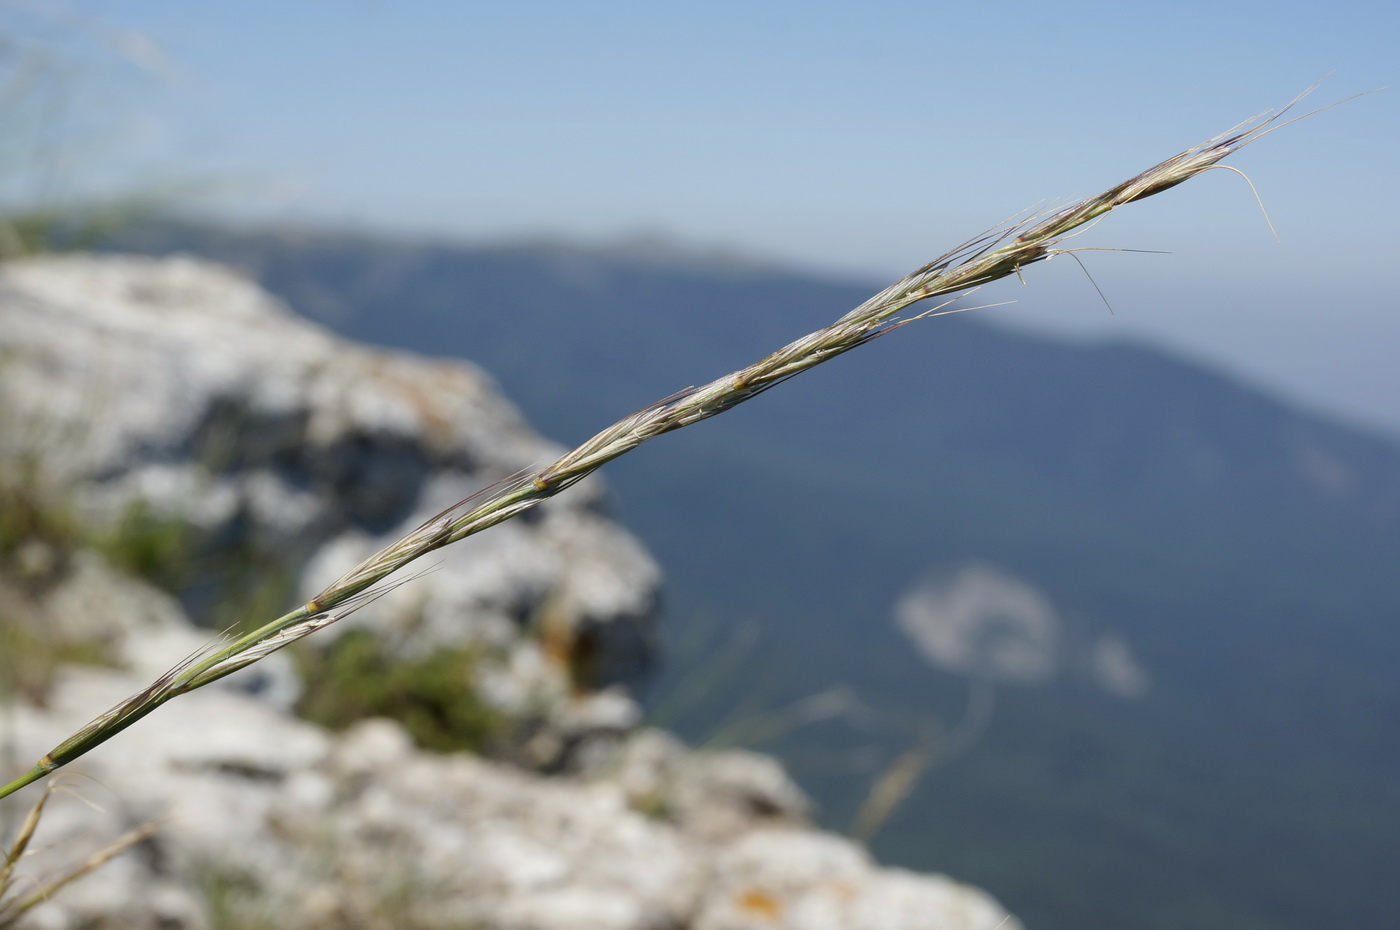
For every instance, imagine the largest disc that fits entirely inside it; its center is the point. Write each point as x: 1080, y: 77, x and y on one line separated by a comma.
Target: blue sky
x: 847, y: 138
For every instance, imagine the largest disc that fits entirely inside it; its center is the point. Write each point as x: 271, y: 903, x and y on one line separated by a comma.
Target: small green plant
x: 234, y: 901
x: 37, y: 535
x: 392, y: 898
x: 432, y: 696
x: 227, y: 584
x: 44, y: 228
x: 29, y: 657
x: 31, y: 516
x: 996, y: 254
x: 149, y: 544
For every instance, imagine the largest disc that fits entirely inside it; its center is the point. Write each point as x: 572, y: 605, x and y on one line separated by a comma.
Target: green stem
x: 28, y: 778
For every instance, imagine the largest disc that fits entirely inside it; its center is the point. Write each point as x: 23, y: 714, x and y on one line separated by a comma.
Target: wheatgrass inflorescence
x: 993, y: 255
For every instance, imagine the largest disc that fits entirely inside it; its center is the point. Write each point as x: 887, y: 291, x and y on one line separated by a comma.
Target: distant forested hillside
x: 1154, y: 685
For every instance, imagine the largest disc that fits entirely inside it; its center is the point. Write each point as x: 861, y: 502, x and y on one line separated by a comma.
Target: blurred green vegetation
x: 231, y: 586
x: 37, y: 536
x: 36, y: 229
x: 28, y: 515
x: 30, y: 656
x: 150, y: 545
x: 433, y: 696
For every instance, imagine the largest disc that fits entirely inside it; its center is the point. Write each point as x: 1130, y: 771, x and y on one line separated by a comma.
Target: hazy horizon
x: 858, y: 143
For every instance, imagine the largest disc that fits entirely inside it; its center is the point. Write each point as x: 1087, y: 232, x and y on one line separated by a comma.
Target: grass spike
x: 998, y: 253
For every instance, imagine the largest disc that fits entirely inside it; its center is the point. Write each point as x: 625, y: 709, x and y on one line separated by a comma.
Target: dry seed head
x: 992, y: 255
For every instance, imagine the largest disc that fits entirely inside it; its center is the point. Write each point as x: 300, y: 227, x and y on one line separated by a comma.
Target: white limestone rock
x: 800, y: 880
x: 180, y: 385
x: 268, y: 818
x: 712, y: 794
